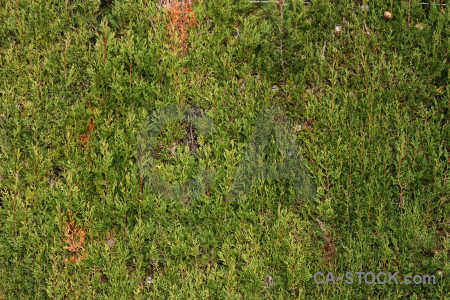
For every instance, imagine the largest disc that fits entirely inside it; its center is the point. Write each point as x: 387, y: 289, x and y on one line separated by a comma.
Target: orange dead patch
x: 91, y: 125
x: 75, y: 236
x: 83, y: 139
x: 181, y: 17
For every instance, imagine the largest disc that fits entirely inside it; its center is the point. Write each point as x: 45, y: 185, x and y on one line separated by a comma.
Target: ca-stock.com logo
x: 283, y: 161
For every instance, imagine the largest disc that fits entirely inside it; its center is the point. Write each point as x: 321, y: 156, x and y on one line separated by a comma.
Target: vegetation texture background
x: 366, y: 105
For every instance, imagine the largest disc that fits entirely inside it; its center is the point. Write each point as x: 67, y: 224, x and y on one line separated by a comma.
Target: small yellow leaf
x: 440, y: 90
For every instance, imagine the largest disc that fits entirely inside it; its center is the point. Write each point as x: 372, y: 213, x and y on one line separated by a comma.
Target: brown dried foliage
x: 181, y: 17
x: 329, y: 247
x: 84, y: 138
x: 75, y: 236
x: 308, y: 124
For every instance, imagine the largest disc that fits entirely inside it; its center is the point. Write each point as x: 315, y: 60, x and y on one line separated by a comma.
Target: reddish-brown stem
x: 141, y: 179
x: 131, y: 74
x: 206, y: 179
x: 409, y: 13
x: 104, y: 47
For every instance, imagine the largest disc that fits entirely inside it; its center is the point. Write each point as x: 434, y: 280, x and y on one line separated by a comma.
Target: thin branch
x: 409, y: 13
x: 440, y: 4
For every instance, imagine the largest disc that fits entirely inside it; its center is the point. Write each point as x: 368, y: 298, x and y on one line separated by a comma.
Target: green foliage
x: 98, y: 116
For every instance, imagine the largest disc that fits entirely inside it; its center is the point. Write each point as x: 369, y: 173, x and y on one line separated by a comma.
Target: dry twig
x: 329, y: 246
